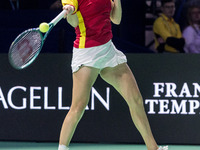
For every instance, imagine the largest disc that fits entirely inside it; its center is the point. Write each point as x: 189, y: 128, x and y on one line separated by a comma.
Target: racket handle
x: 58, y: 18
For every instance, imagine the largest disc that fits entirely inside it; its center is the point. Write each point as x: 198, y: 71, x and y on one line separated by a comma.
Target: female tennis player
x: 94, y: 54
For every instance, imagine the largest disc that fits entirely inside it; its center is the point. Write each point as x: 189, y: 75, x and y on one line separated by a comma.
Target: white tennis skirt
x: 99, y: 57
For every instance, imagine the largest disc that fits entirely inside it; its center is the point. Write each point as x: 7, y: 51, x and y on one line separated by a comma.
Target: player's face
x: 169, y: 9
x: 195, y: 15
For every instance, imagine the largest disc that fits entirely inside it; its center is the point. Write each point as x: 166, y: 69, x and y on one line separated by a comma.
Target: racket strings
x: 25, y: 48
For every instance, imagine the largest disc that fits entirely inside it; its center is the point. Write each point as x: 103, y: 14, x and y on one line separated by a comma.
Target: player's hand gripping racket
x: 26, y: 47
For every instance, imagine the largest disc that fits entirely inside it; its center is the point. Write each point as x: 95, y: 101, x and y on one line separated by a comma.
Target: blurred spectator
x: 168, y: 36
x: 192, y: 32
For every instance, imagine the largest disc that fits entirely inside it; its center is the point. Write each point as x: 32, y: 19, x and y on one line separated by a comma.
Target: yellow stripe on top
x: 82, y: 29
x: 71, y: 2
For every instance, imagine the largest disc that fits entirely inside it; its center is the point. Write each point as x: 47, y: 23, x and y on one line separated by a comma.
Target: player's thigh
x: 123, y: 80
x: 83, y: 81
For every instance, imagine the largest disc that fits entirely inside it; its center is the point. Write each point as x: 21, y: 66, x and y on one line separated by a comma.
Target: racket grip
x: 58, y: 18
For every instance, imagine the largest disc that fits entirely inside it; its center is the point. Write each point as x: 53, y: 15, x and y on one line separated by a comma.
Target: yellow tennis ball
x: 44, y: 27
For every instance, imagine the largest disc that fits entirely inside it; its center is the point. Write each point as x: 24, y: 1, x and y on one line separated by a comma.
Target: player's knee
x: 136, y: 101
x: 78, y: 108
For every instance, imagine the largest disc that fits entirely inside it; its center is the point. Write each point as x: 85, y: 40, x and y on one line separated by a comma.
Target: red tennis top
x: 94, y: 27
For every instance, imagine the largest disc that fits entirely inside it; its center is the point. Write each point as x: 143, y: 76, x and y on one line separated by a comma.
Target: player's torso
x: 94, y: 20
x: 92, y: 8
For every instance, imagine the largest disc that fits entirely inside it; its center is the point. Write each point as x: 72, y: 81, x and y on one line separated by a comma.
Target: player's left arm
x: 116, y: 12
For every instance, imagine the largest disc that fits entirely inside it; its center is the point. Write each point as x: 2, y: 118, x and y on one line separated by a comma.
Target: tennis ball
x: 44, y: 27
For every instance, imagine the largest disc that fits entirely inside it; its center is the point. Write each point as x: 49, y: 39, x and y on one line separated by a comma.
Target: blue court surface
x: 85, y: 146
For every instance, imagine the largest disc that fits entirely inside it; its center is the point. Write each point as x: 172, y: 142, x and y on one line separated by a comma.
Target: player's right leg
x: 83, y: 81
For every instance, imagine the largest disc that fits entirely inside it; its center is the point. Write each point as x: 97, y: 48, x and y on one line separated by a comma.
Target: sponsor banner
x: 34, y: 101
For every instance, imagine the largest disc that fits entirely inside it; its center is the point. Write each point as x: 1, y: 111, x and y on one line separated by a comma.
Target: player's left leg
x: 122, y: 79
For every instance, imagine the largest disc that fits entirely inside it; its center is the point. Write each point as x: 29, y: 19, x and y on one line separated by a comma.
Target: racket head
x: 25, y: 48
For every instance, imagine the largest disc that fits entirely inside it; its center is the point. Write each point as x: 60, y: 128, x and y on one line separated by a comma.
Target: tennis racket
x: 27, y: 45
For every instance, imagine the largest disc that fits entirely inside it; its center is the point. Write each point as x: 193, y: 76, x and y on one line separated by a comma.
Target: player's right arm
x: 71, y: 7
